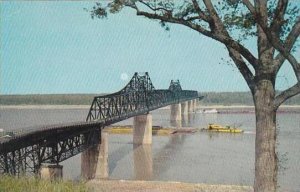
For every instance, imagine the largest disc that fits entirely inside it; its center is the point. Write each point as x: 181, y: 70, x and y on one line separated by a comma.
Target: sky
x: 55, y: 48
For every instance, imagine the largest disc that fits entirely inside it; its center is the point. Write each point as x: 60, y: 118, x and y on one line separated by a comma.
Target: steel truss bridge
x: 25, y: 152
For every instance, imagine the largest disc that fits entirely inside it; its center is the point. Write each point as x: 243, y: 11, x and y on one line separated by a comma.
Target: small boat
x: 226, y: 129
x: 209, y: 111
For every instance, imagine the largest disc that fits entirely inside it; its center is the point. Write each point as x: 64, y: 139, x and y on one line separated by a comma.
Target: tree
x: 275, y: 24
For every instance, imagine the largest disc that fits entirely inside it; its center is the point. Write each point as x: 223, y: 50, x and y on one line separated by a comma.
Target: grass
x: 31, y: 184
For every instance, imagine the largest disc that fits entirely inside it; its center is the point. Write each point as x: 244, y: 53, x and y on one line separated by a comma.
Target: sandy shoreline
x: 97, y: 185
x: 88, y: 106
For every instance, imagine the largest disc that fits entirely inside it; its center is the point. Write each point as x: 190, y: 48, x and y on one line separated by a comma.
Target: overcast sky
x: 55, y: 47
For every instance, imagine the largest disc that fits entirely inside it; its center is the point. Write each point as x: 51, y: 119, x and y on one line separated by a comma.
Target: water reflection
x: 167, y: 153
x: 143, y: 162
x: 118, y: 155
x: 176, y: 124
x: 149, y: 167
x: 188, y: 120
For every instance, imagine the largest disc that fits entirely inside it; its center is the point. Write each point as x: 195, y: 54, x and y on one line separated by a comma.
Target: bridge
x: 26, y: 151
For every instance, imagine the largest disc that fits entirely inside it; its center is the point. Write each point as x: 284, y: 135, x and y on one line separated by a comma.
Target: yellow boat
x: 226, y: 129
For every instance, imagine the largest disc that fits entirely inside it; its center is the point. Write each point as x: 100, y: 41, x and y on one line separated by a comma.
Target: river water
x: 202, y: 157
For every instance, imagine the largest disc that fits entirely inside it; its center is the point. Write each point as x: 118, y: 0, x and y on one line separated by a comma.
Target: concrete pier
x: 184, y: 110
x: 94, y: 161
x: 184, y: 114
x: 195, y: 104
x: 175, y: 112
x: 51, y: 172
x: 175, y: 116
x: 190, y: 106
x: 142, y: 129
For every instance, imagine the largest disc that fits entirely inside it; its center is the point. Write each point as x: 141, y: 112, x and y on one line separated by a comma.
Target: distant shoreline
x: 45, y: 106
x: 210, y: 99
x: 88, y: 106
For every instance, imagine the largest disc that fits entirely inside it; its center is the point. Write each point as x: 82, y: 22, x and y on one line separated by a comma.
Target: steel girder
x: 138, y: 97
x: 28, y: 159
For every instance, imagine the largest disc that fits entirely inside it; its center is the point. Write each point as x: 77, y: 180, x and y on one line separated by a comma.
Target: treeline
x: 210, y: 98
x: 47, y: 99
x: 236, y: 98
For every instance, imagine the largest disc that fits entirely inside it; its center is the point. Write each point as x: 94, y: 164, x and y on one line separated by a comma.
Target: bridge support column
x: 142, y: 129
x: 94, y: 161
x: 190, y: 106
x: 184, y: 109
x: 175, y: 116
x: 51, y: 172
x: 184, y: 113
x: 195, y: 105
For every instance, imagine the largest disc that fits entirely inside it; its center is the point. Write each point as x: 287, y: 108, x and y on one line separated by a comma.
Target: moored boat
x: 208, y: 111
x: 226, y: 129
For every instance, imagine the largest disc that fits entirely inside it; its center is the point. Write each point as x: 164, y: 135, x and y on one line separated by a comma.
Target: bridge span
x: 26, y: 151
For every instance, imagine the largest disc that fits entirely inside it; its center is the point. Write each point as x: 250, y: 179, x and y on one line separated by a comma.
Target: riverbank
x: 160, y: 186
x: 156, y: 130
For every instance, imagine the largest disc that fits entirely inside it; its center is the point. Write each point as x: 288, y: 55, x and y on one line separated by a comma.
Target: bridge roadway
x: 26, y: 151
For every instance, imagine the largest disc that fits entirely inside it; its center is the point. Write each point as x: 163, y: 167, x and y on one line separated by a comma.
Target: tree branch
x: 261, y: 12
x: 221, y: 36
x: 283, y: 96
x: 289, y: 42
x: 200, y: 12
x: 192, y: 18
x: 293, y: 35
x: 171, y: 19
x: 279, y: 16
x: 215, y: 22
x: 285, y: 51
x: 154, y: 9
x: 250, y: 7
x: 224, y: 36
x: 240, y: 48
x: 273, y: 38
x: 243, y: 68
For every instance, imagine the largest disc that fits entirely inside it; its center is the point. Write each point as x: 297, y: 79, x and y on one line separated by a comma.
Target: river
x: 202, y: 157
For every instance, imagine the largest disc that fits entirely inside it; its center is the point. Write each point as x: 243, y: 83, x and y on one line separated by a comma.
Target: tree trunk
x: 265, y: 142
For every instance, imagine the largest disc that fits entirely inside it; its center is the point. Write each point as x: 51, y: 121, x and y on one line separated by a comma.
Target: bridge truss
x: 53, y: 144
x: 25, y: 153
x: 138, y: 97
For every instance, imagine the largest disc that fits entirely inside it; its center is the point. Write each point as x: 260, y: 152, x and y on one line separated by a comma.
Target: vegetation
x: 49, y: 99
x: 210, y: 98
x: 236, y: 98
x: 30, y: 184
x: 274, y: 26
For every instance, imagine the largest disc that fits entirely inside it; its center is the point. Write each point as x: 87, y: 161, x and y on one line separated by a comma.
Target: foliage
x: 236, y: 18
x: 30, y: 184
x: 55, y: 99
x: 236, y: 98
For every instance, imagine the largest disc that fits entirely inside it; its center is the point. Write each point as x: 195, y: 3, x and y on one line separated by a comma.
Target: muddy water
x: 202, y: 157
